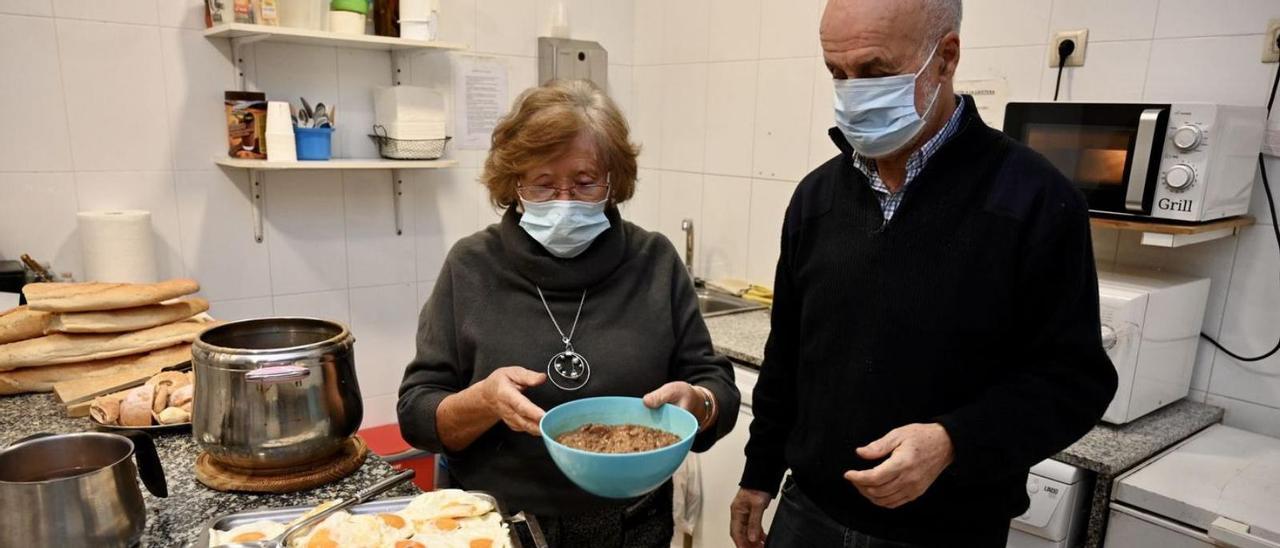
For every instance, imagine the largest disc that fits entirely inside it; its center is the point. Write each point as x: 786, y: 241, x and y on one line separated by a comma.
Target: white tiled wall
x: 767, y: 108
x: 118, y: 103
x: 722, y: 102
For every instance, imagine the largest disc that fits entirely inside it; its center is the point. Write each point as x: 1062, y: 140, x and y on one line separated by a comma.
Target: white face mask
x: 878, y: 115
x: 565, y: 228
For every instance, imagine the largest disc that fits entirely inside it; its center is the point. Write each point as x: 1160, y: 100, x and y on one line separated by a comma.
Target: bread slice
x: 135, y: 408
x: 70, y: 348
x: 127, y: 319
x: 85, y: 378
x: 91, y: 296
x: 21, y: 323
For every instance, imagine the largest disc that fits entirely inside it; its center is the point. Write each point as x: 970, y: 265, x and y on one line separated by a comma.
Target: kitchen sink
x: 712, y: 304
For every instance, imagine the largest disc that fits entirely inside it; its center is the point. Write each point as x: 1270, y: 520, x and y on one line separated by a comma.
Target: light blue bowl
x: 618, y: 475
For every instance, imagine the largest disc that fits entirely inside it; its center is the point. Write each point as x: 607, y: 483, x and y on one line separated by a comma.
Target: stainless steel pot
x: 275, y: 392
x: 77, y: 489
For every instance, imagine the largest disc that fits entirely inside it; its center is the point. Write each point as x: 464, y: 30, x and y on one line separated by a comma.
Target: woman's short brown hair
x: 543, y: 122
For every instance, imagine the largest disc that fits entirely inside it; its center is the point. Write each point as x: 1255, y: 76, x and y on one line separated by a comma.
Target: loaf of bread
x: 146, y: 405
x: 135, y: 408
x: 70, y: 348
x: 93, y: 296
x: 127, y: 319
x: 44, y: 379
x: 182, y: 395
x: 173, y: 415
x: 106, y: 409
x: 21, y: 323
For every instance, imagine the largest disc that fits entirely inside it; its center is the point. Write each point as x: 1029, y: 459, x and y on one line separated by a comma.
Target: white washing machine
x: 1219, y: 488
x: 1059, y: 514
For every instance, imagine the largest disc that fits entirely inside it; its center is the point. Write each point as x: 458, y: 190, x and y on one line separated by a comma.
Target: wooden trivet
x: 221, y: 477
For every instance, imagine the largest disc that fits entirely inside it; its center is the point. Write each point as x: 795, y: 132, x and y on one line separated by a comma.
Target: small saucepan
x: 77, y: 489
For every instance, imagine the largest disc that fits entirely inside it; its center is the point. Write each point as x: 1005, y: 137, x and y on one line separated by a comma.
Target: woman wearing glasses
x: 560, y: 300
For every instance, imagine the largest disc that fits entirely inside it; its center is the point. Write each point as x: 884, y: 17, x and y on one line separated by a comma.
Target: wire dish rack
x: 407, y: 149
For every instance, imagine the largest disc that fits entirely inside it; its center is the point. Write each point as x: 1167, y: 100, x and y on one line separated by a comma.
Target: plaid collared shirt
x: 889, y: 201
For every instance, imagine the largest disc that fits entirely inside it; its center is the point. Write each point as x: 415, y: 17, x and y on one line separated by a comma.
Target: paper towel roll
x: 117, y: 246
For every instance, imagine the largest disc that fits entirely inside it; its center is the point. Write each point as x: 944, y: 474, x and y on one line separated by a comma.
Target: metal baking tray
x: 226, y: 522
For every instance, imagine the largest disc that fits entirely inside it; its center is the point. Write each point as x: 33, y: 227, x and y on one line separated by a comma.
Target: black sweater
x: 640, y: 328
x: 976, y: 307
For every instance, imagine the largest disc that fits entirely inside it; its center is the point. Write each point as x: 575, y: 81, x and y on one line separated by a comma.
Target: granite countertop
x: 741, y: 336
x: 178, y: 519
x: 1107, y: 450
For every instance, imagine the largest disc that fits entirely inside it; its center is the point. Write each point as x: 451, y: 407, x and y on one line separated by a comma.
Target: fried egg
x: 489, y: 537
x: 395, y: 526
x: 405, y: 543
x: 445, y: 524
x: 249, y: 532
x: 326, y: 534
x: 445, y: 503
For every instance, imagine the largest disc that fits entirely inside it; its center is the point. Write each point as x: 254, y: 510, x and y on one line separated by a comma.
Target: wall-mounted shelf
x: 1164, y: 234
x: 320, y: 38
x: 256, y: 167
x: 242, y: 35
x: 351, y: 163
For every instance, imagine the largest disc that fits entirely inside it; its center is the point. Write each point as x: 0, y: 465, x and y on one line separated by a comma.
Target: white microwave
x: 1150, y: 328
x: 1190, y: 162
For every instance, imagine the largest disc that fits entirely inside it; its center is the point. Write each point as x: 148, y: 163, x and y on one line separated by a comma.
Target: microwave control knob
x: 1179, y: 177
x: 1187, y: 137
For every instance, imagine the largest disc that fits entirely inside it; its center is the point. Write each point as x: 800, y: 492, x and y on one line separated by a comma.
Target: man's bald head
x: 923, y: 22
x: 880, y: 38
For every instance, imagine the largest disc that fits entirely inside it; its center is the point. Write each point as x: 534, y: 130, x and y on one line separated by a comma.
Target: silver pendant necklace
x: 568, y: 370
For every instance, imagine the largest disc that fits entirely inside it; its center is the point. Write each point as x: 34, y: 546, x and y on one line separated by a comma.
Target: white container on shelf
x: 418, y: 10
x: 302, y: 14
x: 346, y: 22
x: 281, y: 146
x: 418, y: 30
x: 408, y: 104
x: 419, y: 19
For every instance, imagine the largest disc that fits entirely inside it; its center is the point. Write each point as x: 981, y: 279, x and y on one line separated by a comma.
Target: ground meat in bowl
x: 616, y: 438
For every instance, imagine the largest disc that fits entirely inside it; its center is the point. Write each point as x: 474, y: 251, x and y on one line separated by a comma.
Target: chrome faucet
x: 687, y: 226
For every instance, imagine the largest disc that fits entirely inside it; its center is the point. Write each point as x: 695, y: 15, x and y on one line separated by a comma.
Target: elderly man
x: 935, y: 322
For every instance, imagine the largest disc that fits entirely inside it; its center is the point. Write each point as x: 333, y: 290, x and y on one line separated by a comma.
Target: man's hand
x: 917, y: 453
x: 746, y: 513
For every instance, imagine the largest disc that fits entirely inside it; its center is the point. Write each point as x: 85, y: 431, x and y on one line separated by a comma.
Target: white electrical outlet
x: 1076, y: 59
x: 1270, y: 53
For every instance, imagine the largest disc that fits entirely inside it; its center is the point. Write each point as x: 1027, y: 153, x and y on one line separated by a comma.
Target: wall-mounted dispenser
x: 564, y: 59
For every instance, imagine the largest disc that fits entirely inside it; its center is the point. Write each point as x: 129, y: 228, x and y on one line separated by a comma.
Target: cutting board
x: 147, y: 365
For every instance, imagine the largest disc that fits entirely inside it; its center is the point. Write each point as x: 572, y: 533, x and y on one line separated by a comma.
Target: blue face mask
x: 565, y: 228
x: 878, y: 115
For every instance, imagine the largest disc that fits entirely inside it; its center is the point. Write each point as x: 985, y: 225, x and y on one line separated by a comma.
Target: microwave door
x: 1144, y: 150
x: 1110, y: 152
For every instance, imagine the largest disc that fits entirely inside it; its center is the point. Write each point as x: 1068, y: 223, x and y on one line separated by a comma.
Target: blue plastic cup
x: 314, y: 143
x: 618, y: 475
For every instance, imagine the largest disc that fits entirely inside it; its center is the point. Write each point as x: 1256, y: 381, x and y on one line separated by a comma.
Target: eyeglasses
x: 585, y: 192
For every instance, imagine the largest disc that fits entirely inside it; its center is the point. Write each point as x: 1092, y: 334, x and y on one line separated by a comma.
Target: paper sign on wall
x: 989, y: 95
x: 480, y: 94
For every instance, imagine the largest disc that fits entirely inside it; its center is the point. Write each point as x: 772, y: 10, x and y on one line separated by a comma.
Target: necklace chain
x: 566, y: 338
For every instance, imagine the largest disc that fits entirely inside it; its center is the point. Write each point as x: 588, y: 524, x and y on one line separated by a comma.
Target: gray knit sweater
x: 640, y: 328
